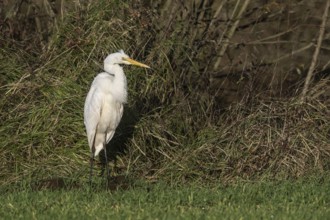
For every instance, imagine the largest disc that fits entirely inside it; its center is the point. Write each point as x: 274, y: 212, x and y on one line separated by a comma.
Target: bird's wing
x: 92, y: 113
x: 118, y: 111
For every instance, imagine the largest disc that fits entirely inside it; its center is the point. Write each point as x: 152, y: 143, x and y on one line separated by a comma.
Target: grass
x: 300, y: 199
x: 194, y: 157
x: 172, y: 129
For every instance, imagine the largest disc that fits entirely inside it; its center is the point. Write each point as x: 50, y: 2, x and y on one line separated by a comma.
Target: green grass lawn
x: 309, y: 199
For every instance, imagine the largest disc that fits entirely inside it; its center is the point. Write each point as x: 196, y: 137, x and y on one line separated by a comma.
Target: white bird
x: 104, y: 103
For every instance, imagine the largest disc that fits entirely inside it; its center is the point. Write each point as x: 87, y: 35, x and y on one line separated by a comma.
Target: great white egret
x: 104, y: 103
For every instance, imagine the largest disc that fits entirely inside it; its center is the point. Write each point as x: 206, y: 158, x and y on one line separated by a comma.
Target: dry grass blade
x: 176, y: 126
x: 316, y: 52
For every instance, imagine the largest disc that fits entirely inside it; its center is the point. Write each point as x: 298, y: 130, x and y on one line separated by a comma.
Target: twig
x: 316, y: 53
x: 217, y: 13
x: 292, y: 53
x: 230, y: 33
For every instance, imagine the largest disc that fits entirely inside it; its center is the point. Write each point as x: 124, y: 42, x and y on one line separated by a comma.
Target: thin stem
x: 316, y: 52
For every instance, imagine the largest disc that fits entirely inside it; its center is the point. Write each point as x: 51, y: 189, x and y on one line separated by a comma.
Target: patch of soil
x: 55, y: 183
x: 58, y: 183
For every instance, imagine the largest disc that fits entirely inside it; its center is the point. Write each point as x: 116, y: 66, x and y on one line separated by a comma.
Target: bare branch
x: 231, y: 33
x: 316, y: 52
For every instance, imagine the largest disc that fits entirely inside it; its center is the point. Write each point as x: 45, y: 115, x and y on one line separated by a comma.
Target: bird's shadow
x: 118, y: 145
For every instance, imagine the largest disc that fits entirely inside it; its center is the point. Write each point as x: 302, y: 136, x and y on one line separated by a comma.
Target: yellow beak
x: 136, y: 63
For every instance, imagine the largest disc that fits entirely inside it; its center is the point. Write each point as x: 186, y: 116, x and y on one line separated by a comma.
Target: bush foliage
x: 176, y: 127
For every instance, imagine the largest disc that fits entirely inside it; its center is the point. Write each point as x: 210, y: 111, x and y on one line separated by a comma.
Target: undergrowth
x: 171, y: 130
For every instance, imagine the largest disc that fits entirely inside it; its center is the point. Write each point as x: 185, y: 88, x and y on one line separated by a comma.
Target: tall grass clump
x: 42, y: 131
x: 174, y: 127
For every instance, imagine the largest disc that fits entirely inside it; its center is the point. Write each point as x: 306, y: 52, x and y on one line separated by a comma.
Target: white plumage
x: 104, y: 102
x: 103, y: 110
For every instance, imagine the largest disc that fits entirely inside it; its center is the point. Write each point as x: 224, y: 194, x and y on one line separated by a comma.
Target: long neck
x: 119, y: 85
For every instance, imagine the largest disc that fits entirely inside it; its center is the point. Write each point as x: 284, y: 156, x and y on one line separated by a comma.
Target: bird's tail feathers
x: 98, y: 148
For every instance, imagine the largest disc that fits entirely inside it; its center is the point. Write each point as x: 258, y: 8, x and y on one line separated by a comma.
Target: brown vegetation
x: 222, y: 101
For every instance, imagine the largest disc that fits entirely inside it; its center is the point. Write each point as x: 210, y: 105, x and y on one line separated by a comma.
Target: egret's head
x: 121, y: 58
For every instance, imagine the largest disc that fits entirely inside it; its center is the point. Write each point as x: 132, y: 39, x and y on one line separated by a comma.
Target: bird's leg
x: 91, y: 165
x: 107, y: 176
